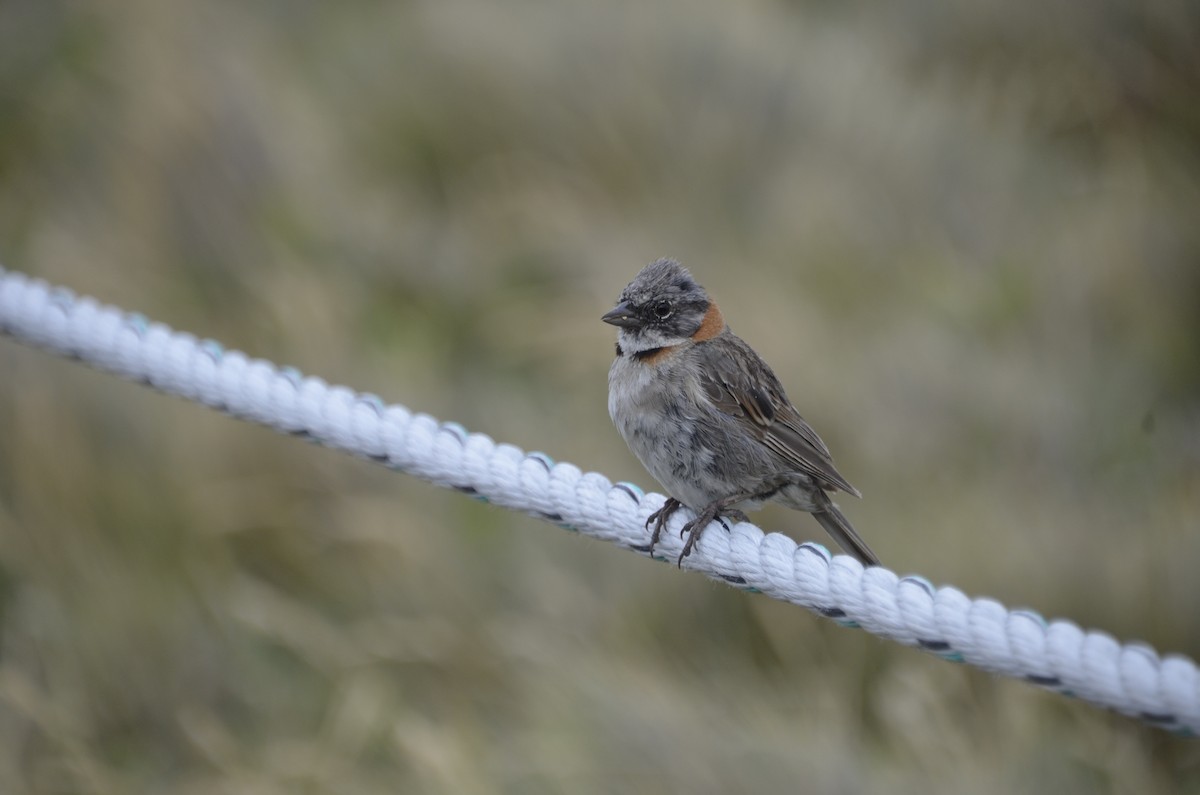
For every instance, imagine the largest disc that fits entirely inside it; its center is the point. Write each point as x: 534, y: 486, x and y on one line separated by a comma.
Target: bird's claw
x: 715, y: 511
x: 659, y: 518
x: 731, y: 513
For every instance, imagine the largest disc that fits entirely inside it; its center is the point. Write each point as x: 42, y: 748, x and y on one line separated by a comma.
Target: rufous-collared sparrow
x: 708, y: 418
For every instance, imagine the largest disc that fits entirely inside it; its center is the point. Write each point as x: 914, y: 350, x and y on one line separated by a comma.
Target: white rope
x: 1131, y: 678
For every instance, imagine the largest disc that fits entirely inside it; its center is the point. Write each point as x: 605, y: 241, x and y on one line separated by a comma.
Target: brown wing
x: 739, y: 383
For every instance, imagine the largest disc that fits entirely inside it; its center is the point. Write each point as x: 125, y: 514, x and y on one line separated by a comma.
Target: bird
x: 707, y: 417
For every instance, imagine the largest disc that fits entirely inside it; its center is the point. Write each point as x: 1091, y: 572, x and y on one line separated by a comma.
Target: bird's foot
x: 659, y: 518
x: 717, y: 510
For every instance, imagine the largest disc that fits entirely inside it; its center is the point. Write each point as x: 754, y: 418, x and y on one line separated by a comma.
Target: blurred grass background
x: 966, y: 237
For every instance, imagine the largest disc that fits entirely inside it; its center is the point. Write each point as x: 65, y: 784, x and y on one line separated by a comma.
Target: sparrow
x: 707, y: 417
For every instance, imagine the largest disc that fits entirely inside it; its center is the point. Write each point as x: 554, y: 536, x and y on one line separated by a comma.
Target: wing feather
x: 741, y: 385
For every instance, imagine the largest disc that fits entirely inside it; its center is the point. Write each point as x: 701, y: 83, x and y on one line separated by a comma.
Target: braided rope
x: 1130, y: 678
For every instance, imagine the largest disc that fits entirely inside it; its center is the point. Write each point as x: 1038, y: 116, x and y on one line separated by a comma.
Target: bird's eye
x: 662, y: 310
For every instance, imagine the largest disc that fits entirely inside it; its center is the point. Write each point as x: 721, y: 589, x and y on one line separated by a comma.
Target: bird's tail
x: 838, y: 526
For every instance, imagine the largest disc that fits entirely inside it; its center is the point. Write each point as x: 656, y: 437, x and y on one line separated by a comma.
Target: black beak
x: 622, y: 316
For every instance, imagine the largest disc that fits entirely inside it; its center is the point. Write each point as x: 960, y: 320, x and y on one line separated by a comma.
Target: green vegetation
x: 967, y: 239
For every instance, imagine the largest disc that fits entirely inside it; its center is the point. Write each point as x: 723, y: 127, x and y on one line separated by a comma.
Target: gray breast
x: 656, y: 411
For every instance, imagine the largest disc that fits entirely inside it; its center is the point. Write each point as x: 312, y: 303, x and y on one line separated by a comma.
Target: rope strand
x: 1059, y: 656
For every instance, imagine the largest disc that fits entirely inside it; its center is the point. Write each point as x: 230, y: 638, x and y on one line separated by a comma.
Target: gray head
x: 662, y: 307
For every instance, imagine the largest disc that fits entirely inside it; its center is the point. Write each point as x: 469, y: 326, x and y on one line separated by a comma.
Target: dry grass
x: 967, y: 240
